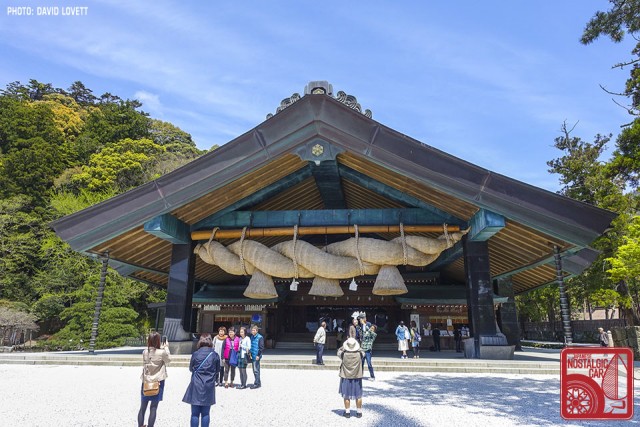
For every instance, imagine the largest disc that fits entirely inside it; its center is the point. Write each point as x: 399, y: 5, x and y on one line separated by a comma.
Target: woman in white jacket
x: 245, y: 357
x: 155, y: 359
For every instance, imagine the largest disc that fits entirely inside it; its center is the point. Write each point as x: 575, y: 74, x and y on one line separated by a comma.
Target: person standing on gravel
x: 367, y: 346
x: 218, y: 343
x: 319, y: 340
x: 350, y: 388
x: 415, y: 339
x: 230, y: 354
x: 604, y: 339
x: 257, y: 346
x: 155, y: 358
x: 244, y: 357
x: 401, y: 336
x: 436, y: 338
x: 201, y: 392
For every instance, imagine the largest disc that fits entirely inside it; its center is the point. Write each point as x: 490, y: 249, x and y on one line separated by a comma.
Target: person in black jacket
x: 201, y: 392
x: 436, y: 338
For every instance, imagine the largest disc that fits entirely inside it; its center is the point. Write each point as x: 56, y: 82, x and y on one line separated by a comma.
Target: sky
x: 489, y: 82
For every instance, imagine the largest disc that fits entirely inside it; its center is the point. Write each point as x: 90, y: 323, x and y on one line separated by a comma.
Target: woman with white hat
x: 351, y: 375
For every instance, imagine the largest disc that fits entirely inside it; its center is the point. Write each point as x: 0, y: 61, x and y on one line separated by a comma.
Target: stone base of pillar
x: 174, y: 331
x: 182, y: 347
x: 491, y: 352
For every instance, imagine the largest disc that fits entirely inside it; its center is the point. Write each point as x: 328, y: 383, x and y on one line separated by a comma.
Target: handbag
x: 149, y: 388
x: 233, y: 357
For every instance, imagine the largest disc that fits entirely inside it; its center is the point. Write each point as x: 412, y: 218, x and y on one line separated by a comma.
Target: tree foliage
x: 612, y: 280
x: 62, y: 151
x: 622, y: 19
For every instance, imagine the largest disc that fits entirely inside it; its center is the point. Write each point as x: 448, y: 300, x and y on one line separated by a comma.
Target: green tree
x: 81, y: 94
x: 115, y: 121
x: 623, y: 18
x: 20, y: 233
x: 579, y: 167
x: 121, y: 165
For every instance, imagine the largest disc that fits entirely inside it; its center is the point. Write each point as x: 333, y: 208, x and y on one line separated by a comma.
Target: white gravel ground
x: 68, y: 396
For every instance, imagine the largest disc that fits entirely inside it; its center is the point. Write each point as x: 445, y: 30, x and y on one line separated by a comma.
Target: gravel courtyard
x: 68, y: 396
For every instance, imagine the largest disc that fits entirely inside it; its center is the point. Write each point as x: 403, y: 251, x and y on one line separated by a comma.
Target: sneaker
x: 346, y: 414
x: 372, y: 378
x: 358, y: 414
x: 254, y: 386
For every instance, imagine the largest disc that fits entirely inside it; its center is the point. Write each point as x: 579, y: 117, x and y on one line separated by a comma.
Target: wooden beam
x: 541, y: 261
x: 168, y: 227
x: 256, y: 198
x: 394, y: 194
x: 345, y: 229
x: 485, y: 224
x: 446, y: 257
x: 329, y: 185
x: 326, y: 217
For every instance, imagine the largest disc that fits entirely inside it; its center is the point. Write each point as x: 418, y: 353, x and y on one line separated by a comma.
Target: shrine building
x: 320, y: 212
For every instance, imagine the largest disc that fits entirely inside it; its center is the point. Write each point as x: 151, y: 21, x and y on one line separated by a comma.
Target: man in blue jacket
x: 257, y: 346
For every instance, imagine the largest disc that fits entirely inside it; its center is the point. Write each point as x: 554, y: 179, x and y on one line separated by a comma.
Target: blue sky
x: 489, y: 82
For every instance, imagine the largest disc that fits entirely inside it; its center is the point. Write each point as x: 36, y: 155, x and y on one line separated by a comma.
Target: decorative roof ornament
x: 323, y: 87
x: 287, y: 102
x: 351, y: 102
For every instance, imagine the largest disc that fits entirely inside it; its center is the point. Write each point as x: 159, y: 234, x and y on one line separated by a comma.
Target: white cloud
x: 150, y: 102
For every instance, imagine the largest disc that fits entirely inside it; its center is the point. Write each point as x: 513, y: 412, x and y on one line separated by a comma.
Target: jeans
x: 198, y: 411
x: 243, y: 376
x: 319, y: 352
x: 367, y: 357
x: 436, y: 343
x: 256, y: 372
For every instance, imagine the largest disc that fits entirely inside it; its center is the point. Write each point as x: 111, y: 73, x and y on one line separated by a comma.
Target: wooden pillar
x: 178, y: 318
x: 98, y: 306
x: 479, y: 291
x: 507, y: 313
x: 565, y: 311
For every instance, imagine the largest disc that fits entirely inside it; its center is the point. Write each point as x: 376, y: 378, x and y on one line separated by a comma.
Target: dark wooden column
x: 479, y: 290
x: 177, y: 323
x: 507, y: 313
x: 565, y: 310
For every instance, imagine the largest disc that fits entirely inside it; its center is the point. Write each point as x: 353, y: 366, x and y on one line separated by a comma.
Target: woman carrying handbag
x: 201, y: 392
x: 231, y: 347
x: 245, y: 357
x: 154, y: 371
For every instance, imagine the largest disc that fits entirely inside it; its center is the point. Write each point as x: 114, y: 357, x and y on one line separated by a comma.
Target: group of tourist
x: 212, y: 365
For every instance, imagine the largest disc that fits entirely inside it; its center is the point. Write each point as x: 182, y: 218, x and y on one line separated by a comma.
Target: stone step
x: 460, y: 368
x: 304, y: 363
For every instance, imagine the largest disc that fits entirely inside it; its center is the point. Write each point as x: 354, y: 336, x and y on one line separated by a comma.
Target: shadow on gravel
x: 528, y: 400
x: 387, y: 416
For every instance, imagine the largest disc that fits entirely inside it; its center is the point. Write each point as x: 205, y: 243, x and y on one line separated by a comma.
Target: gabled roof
x: 280, y: 151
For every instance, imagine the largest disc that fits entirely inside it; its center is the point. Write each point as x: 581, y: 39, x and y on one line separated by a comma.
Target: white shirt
x: 321, y: 336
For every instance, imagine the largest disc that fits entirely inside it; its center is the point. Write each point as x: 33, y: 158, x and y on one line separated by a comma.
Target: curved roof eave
x: 321, y: 117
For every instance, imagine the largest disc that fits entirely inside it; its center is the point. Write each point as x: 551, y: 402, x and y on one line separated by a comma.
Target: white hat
x: 351, y: 345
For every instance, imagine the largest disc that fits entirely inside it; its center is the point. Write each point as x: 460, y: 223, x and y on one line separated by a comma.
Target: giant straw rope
x: 341, y: 260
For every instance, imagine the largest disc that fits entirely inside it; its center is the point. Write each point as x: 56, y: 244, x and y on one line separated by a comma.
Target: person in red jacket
x: 231, y: 346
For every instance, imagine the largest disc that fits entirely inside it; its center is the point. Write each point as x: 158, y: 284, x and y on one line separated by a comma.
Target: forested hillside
x: 62, y: 150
